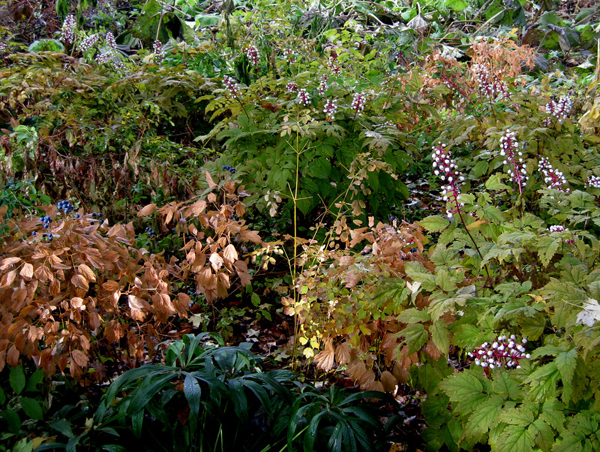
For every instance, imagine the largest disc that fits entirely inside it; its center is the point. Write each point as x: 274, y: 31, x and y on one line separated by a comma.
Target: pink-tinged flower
x: 447, y: 170
x: 253, y: 55
x: 593, y: 181
x: 513, y: 157
x: 330, y: 109
x: 503, y: 352
x: 232, y: 86
x: 322, y: 87
x: 553, y: 177
x: 559, y: 109
x: 67, y: 33
x: 557, y: 228
x: 87, y: 43
x: 490, y: 85
x: 110, y: 40
x: 292, y: 87
x: 158, y: 51
x: 289, y: 55
x: 332, y: 64
x: 358, y: 103
x: 303, y: 97
x: 104, y: 57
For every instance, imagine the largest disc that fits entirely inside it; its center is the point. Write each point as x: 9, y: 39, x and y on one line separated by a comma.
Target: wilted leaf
x: 356, y: 369
x: 209, y: 180
x: 590, y: 314
x: 147, y: 210
x: 325, y: 358
x: 87, y: 272
x: 8, y: 262
x: 230, y: 253
x: 390, y: 383
x: 80, y: 358
x: 80, y: 282
x: 342, y: 353
x: 27, y: 271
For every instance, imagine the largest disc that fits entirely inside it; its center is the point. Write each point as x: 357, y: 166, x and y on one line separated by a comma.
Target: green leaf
x: 552, y: 413
x: 515, y: 438
x: 2, y: 397
x: 441, y: 336
x: 466, y: 390
x: 17, y: 379
x: 547, y: 249
x: 193, y: 393
x: 566, y: 363
x: 150, y: 387
x: 570, y: 442
x: 484, y: 417
x: 533, y: 327
x: 457, y: 5
x: 517, y: 416
x: 434, y: 223
x: 13, y: 420
x: 543, y: 381
x: 542, y: 433
x: 466, y: 336
x: 495, y: 183
x: 413, y: 315
x: 63, y: 427
x: 32, y: 408
x: 416, y: 336
x: 35, y: 379
x: 506, y: 386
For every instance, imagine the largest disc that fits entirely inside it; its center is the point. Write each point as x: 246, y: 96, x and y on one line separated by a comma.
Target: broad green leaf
x: 466, y: 336
x: 413, y: 315
x: 533, y: 327
x: 32, y: 408
x: 495, y: 183
x: 546, y: 350
x: 35, y: 379
x: 434, y: 223
x: 547, y: 249
x: 505, y: 386
x: 570, y: 442
x: 415, y: 336
x: 441, y: 336
x: 63, y: 427
x: 457, y: 5
x: 484, y: 417
x: 465, y: 389
x: 566, y: 363
x: 552, y: 413
x: 417, y: 272
x: 12, y: 419
x: 515, y: 438
x: 149, y: 388
x: 193, y: 394
x: 517, y: 416
x: 543, y: 381
x: 542, y: 433
x: 17, y: 379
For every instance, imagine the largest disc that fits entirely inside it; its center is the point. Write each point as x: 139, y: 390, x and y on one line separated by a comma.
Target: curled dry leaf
x: 147, y: 210
x: 27, y: 271
x: 325, y: 358
x: 342, y: 353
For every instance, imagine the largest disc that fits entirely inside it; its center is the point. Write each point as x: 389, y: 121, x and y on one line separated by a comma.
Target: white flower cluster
x: 553, y: 177
x: 3, y: 47
x: 358, y: 102
x: 232, y: 86
x: 557, y: 228
x: 292, y: 87
x: 560, y: 108
x: 67, y: 32
x: 253, y: 55
x: 503, y: 352
x: 322, y: 87
x: 87, y: 43
x: 304, y: 97
x: 110, y: 40
x: 490, y: 85
x: 445, y: 167
x: 594, y: 181
x: 289, y: 55
x: 330, y: 109
x: 158, y: 51
x: 509, y: 149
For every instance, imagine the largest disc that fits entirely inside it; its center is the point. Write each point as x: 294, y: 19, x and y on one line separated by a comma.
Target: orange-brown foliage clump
x: 89, y: 294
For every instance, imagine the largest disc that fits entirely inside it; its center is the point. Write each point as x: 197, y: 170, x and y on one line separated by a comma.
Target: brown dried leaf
x: 216, y: 261
x: 27, y: 271
x: 356, y: 369
x: 242, y: 271
x: 342, y: 353
x: 147, y: 210
x: 390, y: 383
x: 8, y: 279
x: 87, y: 272
x: 80, y: 358
x: 230, y: 253
x: 80, y: 282
x: 111, y: 286
x: 250, y: 235
x: 402, y: 375
x: 325, y: 358
x: 209, y: 180
x: 8, y: 262
x: 12, y: 356
x: 367, y: 379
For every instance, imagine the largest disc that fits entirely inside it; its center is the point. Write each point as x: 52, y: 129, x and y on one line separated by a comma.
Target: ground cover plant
x: 299, y: 225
